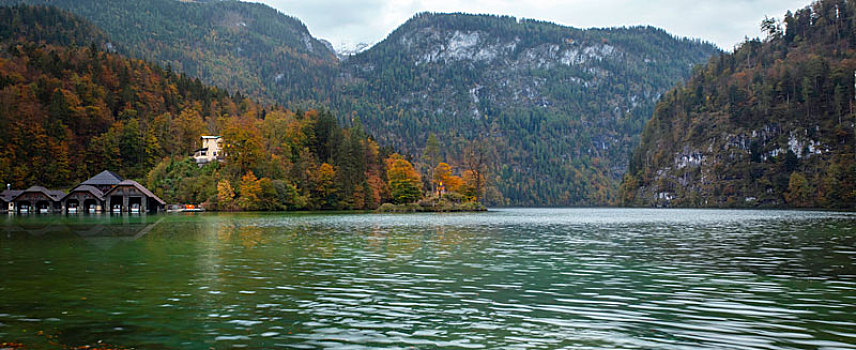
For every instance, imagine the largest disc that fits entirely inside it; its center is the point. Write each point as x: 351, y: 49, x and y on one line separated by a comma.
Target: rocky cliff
x: 563, y: 106
x: 771, y: 125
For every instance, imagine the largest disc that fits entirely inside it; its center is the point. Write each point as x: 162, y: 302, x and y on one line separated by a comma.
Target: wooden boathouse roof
x: 139, y: 187
x: 53, y: 195
x: 86, y: 188
x: 104, y: 178
x: 8, y: 195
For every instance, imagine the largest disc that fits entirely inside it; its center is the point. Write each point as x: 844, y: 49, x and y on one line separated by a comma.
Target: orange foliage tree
x: 443, y: 176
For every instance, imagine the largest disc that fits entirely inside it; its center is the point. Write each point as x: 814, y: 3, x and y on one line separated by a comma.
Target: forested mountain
x: 48, y: 25
x: 561, y: 107
x: 69, y: 112
x: 770, y: 125
x: 241, y: 47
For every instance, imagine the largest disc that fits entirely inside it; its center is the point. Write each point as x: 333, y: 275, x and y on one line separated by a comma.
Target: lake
x: 509, y: 279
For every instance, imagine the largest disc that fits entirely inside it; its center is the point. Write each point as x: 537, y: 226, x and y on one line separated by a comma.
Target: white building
x: 212, y: 149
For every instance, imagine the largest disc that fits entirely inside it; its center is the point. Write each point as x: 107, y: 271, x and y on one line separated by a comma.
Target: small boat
x: 185, y: 208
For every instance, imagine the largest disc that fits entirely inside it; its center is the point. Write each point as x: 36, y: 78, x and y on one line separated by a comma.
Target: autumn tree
x: 799, y: 192
x: 325, y: 187
x: 443, y: 176
x: 184, y: 131
x: 376, y: 188
x: 405, y: 184
x: 250, y: 191
x: 225, y: 195
x: 244, y: 147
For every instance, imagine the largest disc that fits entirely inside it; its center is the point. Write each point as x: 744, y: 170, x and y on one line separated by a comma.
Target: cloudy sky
x: 726, y: 23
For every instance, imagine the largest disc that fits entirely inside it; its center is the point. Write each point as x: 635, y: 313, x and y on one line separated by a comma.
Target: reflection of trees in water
x: 252, y: 236
x: 104, y: 232
x: 448, y: 239
x: 249, y: 236
x: 396, y: 243
x: 319, y: 242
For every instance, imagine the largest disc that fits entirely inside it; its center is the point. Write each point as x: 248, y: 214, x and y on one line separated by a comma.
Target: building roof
x: 8, y: 195
x: 106, y: 177
x: 212, y: 137
x: 86, y: 188
x: 55, y: 195
x: 139, y: 187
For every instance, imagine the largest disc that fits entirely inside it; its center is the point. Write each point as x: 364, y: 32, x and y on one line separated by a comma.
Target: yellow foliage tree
x: 405, y: 184
x: 251, y: 192
x: 473, y: 185
x: 244, y: 145
x: 325, y: 185
x: 225, y: 195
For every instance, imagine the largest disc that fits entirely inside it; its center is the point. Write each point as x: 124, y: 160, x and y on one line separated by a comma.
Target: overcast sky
x: 726, y: 23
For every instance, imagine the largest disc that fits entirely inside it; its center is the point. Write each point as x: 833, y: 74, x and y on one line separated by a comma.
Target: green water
x: 508, y: 279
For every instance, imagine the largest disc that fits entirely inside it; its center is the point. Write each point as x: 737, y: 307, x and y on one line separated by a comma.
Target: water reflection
x: 584, y: 279
x: 90, y: 228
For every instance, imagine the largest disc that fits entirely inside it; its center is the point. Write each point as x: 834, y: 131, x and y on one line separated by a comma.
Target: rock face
x: 563, y: 106
x: 771, y: 125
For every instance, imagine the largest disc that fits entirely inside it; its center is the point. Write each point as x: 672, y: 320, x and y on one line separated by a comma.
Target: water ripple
x: 511, y: 279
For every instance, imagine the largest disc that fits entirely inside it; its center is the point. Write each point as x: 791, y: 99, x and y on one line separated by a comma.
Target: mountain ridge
x: 239, y: 46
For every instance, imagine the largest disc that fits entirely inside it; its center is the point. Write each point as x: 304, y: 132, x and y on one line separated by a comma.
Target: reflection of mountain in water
x: 101, y: 232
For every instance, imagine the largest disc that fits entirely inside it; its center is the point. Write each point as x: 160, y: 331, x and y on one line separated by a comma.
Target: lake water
x: 509, y: 279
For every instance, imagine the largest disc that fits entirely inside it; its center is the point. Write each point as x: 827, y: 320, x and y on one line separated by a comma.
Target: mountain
x: 69, y: 110
x: 770, y: 125
x: 562, y: 106
x: 48, y: 25
x: 242, y: 47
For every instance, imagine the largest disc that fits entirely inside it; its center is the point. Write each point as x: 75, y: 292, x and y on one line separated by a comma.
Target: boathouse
x: 84, y: 199
x: 38, y: 199
x: 129, y: 196
x: 105, y: 192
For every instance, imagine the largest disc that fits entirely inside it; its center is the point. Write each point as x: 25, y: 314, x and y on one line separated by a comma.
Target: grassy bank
x: 432, y: 205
